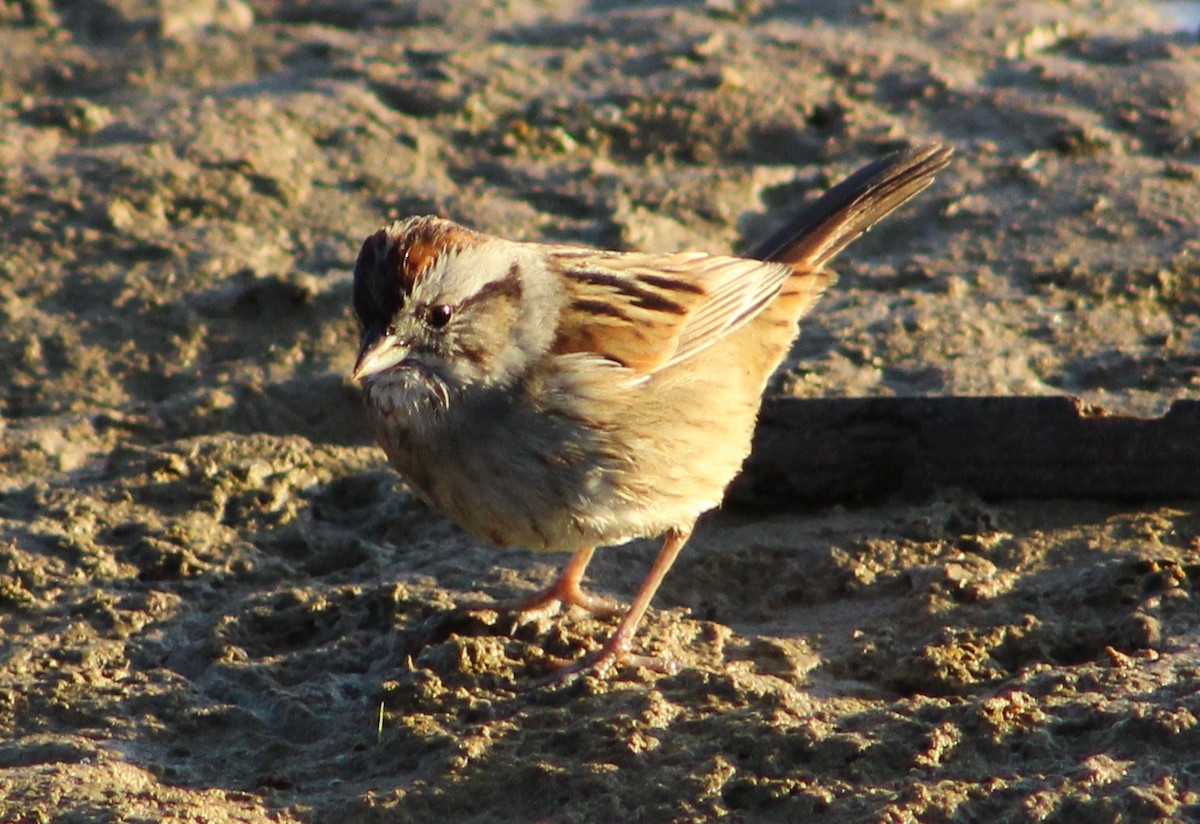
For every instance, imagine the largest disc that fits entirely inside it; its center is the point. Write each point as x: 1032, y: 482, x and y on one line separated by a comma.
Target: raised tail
x: 845, y: 212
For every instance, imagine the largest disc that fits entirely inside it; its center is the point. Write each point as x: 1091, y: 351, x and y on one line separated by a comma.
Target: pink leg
x: 616, y: 649
x: 564, y: 593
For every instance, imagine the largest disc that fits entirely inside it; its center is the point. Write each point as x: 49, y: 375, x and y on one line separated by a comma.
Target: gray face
x: 441, y: 300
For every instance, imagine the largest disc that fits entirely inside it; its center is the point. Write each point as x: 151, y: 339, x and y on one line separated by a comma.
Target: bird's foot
x: 603, y: 663
x: 554, y: 599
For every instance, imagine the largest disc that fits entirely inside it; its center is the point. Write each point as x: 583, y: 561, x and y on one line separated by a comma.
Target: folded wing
x: 647, y: 311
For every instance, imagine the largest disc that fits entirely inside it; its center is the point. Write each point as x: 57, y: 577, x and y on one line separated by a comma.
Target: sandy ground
x: 218, y: 604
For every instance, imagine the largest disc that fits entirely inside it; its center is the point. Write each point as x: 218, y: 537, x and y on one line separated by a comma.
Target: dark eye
x: 439, y: 316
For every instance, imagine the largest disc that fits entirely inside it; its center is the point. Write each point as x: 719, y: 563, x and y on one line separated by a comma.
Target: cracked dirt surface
x: 218, y: 604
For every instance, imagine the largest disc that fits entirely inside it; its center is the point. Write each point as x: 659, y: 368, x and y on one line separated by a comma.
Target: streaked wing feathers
x: 649, y: 311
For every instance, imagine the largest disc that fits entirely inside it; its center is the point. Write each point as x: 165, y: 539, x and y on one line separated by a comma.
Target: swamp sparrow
x: 562, y: 398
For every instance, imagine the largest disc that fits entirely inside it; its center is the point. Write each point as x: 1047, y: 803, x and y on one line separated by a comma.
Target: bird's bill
x: 379, y: 353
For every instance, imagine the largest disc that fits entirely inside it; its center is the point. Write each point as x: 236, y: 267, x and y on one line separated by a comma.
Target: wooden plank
x: 827, y: 450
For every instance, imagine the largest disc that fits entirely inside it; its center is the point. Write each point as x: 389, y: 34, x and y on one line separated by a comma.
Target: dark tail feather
x: 852, y: 207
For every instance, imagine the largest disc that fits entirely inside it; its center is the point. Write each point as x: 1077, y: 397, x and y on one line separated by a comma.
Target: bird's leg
x: 564, y: 593
x: 616, y: 649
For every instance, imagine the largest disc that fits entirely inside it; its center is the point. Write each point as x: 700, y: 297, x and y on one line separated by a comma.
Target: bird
x: 563, y: 398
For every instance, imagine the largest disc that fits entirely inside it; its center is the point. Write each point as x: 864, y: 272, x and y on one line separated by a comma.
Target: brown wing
x: 649, y: 311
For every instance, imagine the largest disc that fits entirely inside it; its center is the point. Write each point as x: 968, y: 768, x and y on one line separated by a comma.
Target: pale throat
x: 407, y: 396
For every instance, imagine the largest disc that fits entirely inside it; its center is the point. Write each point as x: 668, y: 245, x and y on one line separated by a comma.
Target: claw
x: 615, y: 651
x: 603, y: 663
x: 566, y: 592
x: 561, y: 595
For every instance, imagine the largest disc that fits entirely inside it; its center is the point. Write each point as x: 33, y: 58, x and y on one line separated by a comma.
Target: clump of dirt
x: 219, y: 604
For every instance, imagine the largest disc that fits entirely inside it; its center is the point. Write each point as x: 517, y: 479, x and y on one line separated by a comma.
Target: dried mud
x: 218, y: 604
